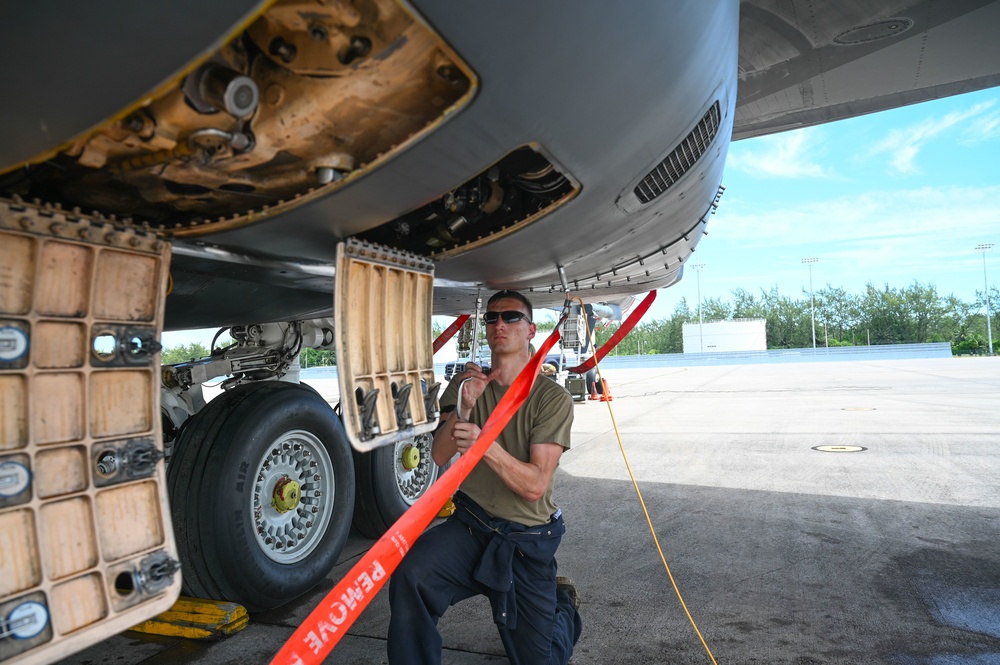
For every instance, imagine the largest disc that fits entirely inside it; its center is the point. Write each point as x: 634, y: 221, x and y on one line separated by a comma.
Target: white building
x: 724, y: 336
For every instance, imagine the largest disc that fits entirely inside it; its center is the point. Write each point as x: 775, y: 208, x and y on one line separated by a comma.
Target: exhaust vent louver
x: 683, y: 157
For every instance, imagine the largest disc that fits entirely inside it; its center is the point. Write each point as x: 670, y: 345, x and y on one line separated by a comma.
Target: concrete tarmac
x: 784, y: 554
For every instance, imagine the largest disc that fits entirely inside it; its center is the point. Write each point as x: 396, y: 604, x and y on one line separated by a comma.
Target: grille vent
x: 683, y: 157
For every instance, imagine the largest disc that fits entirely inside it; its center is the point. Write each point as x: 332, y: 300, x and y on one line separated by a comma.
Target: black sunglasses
x: 510, y: 316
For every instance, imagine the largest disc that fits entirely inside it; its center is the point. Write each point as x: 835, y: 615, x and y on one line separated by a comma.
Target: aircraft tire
x: 386, y: 488
x: 229, y: 462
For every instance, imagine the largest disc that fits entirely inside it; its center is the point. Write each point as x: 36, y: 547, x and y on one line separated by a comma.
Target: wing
x: 806, y: 63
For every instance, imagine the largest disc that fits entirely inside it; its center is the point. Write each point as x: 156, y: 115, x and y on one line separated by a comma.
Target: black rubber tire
x: 211, y: 494
x: 592, y: 382
x: 379, y: 501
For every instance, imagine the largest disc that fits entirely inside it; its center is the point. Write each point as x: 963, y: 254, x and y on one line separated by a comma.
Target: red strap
x: 326, y: 624
x: 450, y: 331
x: 624, y: 329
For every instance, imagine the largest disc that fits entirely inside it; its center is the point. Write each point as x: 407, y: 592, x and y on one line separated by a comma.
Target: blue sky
x: 891, y: 197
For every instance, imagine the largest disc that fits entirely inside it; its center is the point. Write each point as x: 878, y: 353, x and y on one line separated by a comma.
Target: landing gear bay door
x: 86, y: 544
x: 385, y: 360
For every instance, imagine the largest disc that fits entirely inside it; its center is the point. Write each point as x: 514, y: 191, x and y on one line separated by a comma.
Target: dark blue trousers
x: 439, y: 571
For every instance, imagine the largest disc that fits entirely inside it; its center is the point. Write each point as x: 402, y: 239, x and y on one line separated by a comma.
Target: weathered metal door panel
x: 86, y: 545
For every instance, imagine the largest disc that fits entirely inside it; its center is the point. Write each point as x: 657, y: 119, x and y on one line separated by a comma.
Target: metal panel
x: 86, y: 545
x: 384, y: 357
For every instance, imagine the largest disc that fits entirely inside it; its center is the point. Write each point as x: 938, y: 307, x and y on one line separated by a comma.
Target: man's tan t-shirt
x: 545, y: 417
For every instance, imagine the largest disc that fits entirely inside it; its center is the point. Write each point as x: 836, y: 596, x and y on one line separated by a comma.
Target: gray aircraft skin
x: 539, y: 146
x: 606, y: 93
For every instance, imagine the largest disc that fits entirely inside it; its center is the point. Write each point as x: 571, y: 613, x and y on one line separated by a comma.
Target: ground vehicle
x: 456, y: 366
x: 557, y: 360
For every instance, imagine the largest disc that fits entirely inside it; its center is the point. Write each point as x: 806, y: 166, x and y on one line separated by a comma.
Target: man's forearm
x: 529, y: 480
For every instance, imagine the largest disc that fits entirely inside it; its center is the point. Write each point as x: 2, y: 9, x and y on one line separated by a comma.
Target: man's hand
x: 446, y: 442
x: 474, y: 383
x: 464, y: 435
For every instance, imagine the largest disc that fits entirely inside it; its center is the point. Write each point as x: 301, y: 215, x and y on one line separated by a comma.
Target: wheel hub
x: 286, y: 495
x: 411, y: 457
x: 414, y: 467
x: 293, y: 495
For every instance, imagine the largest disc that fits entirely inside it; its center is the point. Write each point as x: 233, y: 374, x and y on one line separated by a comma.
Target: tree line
x: 914, y: 314
x: 195, y: 351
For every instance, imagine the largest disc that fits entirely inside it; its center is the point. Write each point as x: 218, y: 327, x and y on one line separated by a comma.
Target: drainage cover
x: 839, y: 449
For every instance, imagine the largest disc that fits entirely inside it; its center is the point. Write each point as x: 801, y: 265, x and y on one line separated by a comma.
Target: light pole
x: 987, y: 247
x: 812, y: 310
x: 701, y: 339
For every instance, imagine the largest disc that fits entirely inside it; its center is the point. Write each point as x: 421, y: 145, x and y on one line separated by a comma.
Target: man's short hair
x: 513, y: 295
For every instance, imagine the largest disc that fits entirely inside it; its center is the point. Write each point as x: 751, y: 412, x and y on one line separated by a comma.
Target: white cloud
x: 983, y: 128
x: 903, y: 145
x: 787, y: 155
x: 927, y: 214
x: 887, y: 236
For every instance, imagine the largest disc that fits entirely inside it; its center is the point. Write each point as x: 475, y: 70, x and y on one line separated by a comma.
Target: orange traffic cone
x: 606, y: 393
x: 593, y: 390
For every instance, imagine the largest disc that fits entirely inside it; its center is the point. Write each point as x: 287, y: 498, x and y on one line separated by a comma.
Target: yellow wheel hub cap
x: 286, y: 496
x: 411, y: 458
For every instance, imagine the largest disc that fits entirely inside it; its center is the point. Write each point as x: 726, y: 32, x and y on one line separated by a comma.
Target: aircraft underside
x: 316, y: 174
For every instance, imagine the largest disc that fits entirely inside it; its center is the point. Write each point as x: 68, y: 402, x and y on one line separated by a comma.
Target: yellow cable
x: 635, y: 484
